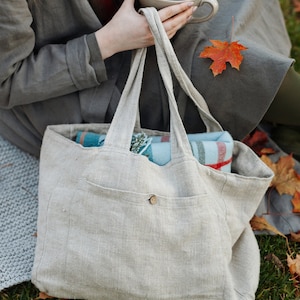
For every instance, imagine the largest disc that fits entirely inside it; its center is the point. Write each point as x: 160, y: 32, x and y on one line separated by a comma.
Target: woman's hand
x: 129, y: 30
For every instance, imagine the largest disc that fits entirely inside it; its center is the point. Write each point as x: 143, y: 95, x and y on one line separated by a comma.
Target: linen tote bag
x: 114, y: 225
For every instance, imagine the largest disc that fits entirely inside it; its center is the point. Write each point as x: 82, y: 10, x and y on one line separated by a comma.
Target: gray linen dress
x: 51, y: 70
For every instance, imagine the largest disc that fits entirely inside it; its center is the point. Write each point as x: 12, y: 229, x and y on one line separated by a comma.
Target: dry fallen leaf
x: 257, y: 142
x: 296, y: 4
x: 43, y: 296
x: 294, y: 264
x: 296, y: 202
x: 285, y: 180
x: 222, y: 52
x: 260, y: 224
x: 294, y: 268
x: 295, y: 237
x: 275, y: 260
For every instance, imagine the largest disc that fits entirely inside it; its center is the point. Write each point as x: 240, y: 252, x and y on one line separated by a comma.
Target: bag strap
x: 162, y: 39
x: 121, y: 129
x: 122, y: 125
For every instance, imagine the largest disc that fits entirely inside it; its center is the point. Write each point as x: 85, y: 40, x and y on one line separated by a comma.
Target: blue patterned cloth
x: 211, y: 149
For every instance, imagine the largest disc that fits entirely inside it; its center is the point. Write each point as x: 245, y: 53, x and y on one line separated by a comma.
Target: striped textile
x: 211, y: 149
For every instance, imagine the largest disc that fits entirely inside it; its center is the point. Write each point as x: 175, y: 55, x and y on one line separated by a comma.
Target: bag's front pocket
x: 142, y: 245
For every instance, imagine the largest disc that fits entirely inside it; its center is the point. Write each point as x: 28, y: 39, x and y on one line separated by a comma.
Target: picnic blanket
x: 19, y: 204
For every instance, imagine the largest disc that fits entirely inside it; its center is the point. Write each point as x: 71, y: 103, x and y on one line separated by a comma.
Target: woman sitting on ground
x: 60, y: 63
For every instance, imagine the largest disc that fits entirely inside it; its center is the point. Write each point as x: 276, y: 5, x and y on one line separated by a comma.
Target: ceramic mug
x: 158, y: 4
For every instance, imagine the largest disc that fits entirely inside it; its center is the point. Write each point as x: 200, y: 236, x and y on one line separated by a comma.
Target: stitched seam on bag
x: 192, y: 200
x: 43, y: 245
x: 243, y: 295
x: 68, y: 235
x: 226, y: 219
x: 141, y: 194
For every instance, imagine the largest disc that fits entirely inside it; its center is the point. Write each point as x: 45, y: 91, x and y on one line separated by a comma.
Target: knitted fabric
x: 18, y: 214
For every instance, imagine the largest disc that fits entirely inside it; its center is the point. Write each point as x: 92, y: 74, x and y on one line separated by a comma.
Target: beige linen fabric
x: 113, y: 225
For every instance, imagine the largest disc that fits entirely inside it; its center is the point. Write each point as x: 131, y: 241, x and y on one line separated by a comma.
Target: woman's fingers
x: 185, y: 8
x: 176, y: 16
x: 129, y: 30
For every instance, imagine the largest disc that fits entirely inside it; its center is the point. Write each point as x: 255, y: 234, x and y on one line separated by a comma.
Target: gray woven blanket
x: 19, y: 204
x: 18, y: 214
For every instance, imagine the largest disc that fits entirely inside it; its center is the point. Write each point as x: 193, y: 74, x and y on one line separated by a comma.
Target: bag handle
x: 162, y: 39
x: 121, y: 128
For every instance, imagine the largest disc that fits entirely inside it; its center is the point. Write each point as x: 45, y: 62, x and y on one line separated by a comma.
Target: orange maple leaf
x: 222, y: 52
x: 285, y: 180
x: 296, y: 202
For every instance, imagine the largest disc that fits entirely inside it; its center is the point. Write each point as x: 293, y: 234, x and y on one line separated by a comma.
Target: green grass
x: 24, y: 291
x: 275, y: 279
x: 292, y: 21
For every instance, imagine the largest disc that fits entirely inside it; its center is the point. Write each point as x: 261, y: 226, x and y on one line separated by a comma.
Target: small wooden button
x: 153, y: 200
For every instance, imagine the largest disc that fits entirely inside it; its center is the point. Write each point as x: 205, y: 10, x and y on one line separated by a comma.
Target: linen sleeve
x: 28, y: 75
